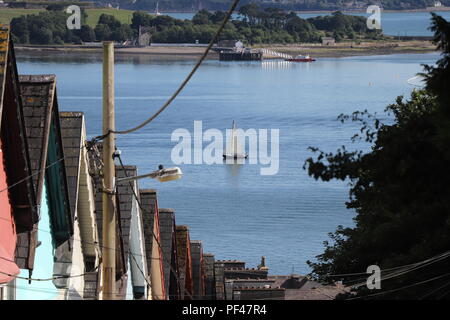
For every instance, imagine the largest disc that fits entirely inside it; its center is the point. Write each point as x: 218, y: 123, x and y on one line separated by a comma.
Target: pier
x: 243, y: 55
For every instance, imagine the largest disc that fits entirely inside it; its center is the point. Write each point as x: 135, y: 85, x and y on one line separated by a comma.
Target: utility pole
x: 108, y: 198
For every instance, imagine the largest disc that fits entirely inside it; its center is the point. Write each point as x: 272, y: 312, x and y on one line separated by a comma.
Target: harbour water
x: 236, y: 212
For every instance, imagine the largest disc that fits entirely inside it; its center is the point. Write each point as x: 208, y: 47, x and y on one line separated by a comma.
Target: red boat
x: 301, y: 58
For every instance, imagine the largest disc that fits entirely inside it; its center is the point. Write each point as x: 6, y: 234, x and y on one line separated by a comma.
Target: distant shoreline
x: 431, y: 9
x: 382, y: 10
x: 346, y: 49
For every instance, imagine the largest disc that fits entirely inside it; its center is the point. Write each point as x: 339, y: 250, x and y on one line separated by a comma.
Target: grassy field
x: 7, y: 14
x: 123, y: 16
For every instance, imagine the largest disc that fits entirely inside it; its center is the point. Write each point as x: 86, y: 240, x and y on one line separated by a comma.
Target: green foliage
x: 140, y: 18
x: 437, y: 77
x: 102, y: 32
x: 47, y: 27
x: 202, y: 17
x: 259, y: 25
x: 110, y: 28
x: 87, y: 34
x: 109, y: 20
x: 343, y: 26
x: 399, y: 190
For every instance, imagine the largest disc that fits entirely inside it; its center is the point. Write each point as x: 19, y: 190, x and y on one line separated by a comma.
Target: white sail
x: 157, y: 9
x: 234, y: 148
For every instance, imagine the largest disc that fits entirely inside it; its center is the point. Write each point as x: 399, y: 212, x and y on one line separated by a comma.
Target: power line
x: 186, y: 80
x: 397, y: 271
x: 435, y: 291
x: 418, y: 265
x: 47, y: 279
x: 32, y: 175
x: 153, y: 234
x: 95, y: 243
x: 131, y: 253
x: 55, y: 290
x: 401, y: 288
x: 88, y: 146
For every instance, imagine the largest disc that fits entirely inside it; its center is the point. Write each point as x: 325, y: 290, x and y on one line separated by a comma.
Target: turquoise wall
x: 43, y: 263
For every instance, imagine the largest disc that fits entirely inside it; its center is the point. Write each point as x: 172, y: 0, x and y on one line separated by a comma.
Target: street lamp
x: 162, y: 175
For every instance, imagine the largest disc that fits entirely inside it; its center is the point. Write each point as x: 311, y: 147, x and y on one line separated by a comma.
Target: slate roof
x: 184, y: 261
x: 71, y: 130
x: 14, y: 140
x: 238, y: 273
x: 125, y: 199
x: 14, y: 137
x: 253, y: 283
x: 150, y: 205
x: 292, y: 281
x: 259, y: 294
x: 208, y: 273
x: 80, y: 190
x: 236, y: 264
x: 219, y: 286
x: 38, y: 93
x: 315, y: 291
x: 40, y: 109
x: 197, y: 275
x: 39, y: 105
x: 168, y: 244
x: 150, y: 218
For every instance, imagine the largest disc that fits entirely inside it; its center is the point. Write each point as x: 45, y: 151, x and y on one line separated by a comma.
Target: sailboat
x: 157, y: 9
x: 234, y: 150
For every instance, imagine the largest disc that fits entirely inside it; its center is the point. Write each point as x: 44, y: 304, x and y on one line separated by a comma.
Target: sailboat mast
x: 233, y: 135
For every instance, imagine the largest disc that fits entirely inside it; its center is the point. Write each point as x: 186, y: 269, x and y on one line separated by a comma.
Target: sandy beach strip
x: 349, y: 49
x: 172, y: 52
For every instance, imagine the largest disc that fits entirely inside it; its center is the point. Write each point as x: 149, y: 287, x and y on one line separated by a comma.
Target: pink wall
x: 7, y: 230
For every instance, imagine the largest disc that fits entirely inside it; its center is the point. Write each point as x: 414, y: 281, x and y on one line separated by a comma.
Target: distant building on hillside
x: 230, y: 44
x: 328, y: 41
x: 144, y: 36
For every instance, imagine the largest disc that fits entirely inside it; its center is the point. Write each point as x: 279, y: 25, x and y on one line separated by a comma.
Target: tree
x: 123, y: 33
x: 399, y: 191
x: 87, y: 34
x: 202, y: 17
x: 20, y: 30
x: 102, y: 32
x: 297, y: 24
x: 437, y: 78
x: 140, y: 19
x: 42, y: 35
x: 217, y: 17
x: 109, y: 20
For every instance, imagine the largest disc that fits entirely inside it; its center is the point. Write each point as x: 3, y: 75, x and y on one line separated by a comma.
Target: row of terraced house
x: 51, y: 215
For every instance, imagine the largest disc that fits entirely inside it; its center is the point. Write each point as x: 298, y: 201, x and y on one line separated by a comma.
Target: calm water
x: 392, y: 23
x: 238, y: 213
